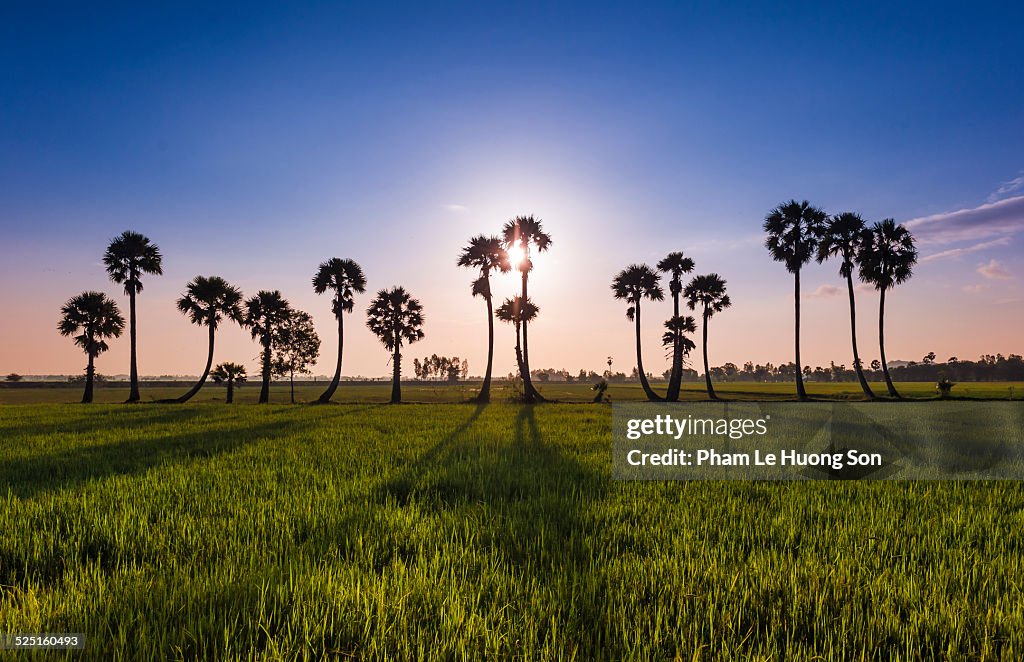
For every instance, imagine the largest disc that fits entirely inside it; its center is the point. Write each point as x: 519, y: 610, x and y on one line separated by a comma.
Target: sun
x: 516, y: 256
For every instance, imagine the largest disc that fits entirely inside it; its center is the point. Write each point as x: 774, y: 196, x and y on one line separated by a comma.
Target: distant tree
x: 676, y: 264
x: 395, y: 317
x: 794, y: 230
x: 296, y: 347
x: 708, y: 293
x: 633, y: 284
x: 207, y: 301
x: 345, y: 278
x: 231, y: 375
x: 263, y: 314
x: 876, y: 365
x: 13, y: 377
x: 127, y: 258
x: 929, y: 358
x: 91, y: 318
x: 514, y: 312
x: 486, y: 254
x: 525, y: 233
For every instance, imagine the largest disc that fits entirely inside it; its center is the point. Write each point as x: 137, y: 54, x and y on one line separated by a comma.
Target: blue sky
x: 254, y: 141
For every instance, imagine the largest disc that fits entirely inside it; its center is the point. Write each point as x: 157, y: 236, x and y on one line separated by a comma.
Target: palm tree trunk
x: 530, y: 394
x: 396, y: 377
x: 90, y: 371
x: 651, y: 395
x: 800, y: 391
x: 329, y: 393
x: 881, y: 345
x: 707, y: 370
x: 485, y: 390
x: 853, y: 335
x: 265, y: 386
x: 231, y: 391
x: 133, y: 393
x: 676, y: 378
x: 206, y: 373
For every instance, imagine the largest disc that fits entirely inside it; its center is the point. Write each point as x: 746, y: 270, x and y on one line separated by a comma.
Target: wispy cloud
x: 995, y: 219
x: 457, y: 208
x: 994, y: 271
x: 825, y: 291
x: 976, y: 289
x: 964, y: 250
x: 1006, y: 188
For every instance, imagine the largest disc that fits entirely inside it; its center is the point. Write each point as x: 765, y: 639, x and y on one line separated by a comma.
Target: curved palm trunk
x: 651, y: 395
x: 90, y: 372
x: 485, y: 390
x: 231, y: 391
x: 329, y: 393
x: 265, y: 386
x: 676, y: 378
x: 396, y: 377
x: 853, y: 335
x: 881, y: 346
x: 707, y: 370
x: 133, y: 393
x: 530, y: 394
x: 800, y: 391
x: 206, y: 373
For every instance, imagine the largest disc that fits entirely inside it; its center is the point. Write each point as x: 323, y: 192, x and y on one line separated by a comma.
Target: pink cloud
x: 1000, y: 219
x: 993, y: 270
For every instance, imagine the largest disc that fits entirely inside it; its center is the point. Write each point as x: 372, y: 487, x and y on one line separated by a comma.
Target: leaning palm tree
x: 635, y: 283
x: 677, y: 265
x: 91, y: 317
x: 888, y: 256
x: 843, y: 236
x: 708, y: 292
x: 128, y: 256
x: 229, y: 374
x: 520, y: 235
x: 794, y: 229
x: 344, y: 278
x: 263, y: 316
x: 514, y: 312
x: 486, y: 254
x: 395, y: 317
x: 207, y: 301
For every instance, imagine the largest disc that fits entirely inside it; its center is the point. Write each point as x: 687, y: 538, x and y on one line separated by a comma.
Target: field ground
x: 464, y: 532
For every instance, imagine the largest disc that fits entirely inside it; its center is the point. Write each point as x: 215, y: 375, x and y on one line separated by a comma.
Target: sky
x: 254, y: 141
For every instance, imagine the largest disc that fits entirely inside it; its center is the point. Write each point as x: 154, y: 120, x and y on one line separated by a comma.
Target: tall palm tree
x: 345, y: 278
x: 207, y: 301
x: 521, y: 234
x: 514, y: 312
x: 794, y: 229
x: 635, y: 283
x: 486, y: 254
x: 677, y: 265
x: 843, y: 236
x: 128, y: 256
x: 263, y: 315
x: 888, y: 257
x: 708, y: 292
x: 395, y: 317
x: 229, y: 374
x: 91, y: 317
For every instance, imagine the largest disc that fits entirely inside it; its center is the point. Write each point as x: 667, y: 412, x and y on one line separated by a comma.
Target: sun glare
x: 516, y: 255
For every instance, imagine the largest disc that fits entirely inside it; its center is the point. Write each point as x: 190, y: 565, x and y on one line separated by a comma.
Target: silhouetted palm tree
x: 794, y: 229
x: 345, y: 278
x: 708, y: 292
x: 229, y: 374
x: 91, y: 317
x: 677, y: 265
x: 394, y: 316
x: 887, y: 259
x: 486, y: 254
x: 128, y: 256
x: 842, y: 238
x: 676, y: 329
x: 635, y: 283
x: 207, y: 301
x: 264, y: 313
x: 512, y: 311
x: 526, y: 232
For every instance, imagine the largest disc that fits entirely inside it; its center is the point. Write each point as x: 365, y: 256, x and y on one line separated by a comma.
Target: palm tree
x: 128, y: 256
x: 708, y: 292
x: 264, y: 314
x: 394, y: 316
x: 91, y: 317
x: 635, y: 283
x: 207, y: 301
x: 512, y: 311
x: 794, y: 229
x: 887, y: 259
x: 520, y: 234
x: 345, y: 278
x: 229, y: 374
x: 486, y: 254
x: 677, y: 265
x: 843, y: 236
x: 676, y: 330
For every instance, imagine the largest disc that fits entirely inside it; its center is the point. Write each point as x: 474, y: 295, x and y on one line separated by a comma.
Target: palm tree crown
x: 513, y: 312
x: 234, y: 373
x: 394, y: 316
x: 842, y: 237
x: 130, y: 255
x: 264, y: 313
x: 888, y: 256
x: 678, y: 327
x: 209, y: 299
x: 677, y: 265
x: 345, y: 277
x: 794, y: 229
x: 636, y: 282
x: 526, y: 232
x: 91, y: 318
x: 708, y: 292
x: 486, y: 254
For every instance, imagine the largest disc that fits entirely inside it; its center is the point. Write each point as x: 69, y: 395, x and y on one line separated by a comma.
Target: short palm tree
x: 676, y: 335
x: 887, y: 259
x: 843, y: 236
x: 263, y: 316
x: 128, y: 256
x: 794, y: 229
x: 207, y: 301
x: 486, y: 254
x: 676, y: 264
x: 91, y: 317
x: 708, y: 292
x: 395, y: 317
x: 521, y: 234
x: 229, y: 374
x: 515, y: 313
x: 633, y: 284
x: 345, y: 278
